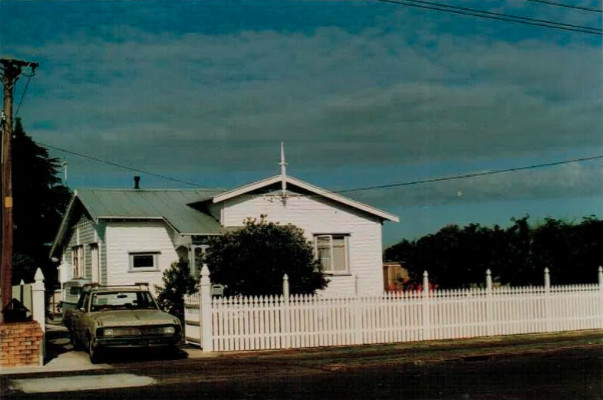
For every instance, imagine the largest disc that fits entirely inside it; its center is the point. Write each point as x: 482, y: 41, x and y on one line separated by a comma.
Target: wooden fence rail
x: 296, y: 321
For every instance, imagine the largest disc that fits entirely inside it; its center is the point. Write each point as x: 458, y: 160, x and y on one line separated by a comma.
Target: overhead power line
x: 365, y: 188
x: 29, y: 76
x: 472, y: 175
x: 473, y: 12
x: 114, y: 164
x: 555, y: 4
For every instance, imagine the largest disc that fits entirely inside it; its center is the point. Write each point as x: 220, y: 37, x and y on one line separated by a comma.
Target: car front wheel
x: 95, y: 354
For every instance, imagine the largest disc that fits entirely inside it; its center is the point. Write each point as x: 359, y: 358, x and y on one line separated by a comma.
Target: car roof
x: 120, y: 288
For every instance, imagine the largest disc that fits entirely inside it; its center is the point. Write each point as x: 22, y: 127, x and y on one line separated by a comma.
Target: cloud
x: 196, y: 102
x: 566, y: 181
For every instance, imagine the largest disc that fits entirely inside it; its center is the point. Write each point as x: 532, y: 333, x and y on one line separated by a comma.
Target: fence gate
x: 192, y: 319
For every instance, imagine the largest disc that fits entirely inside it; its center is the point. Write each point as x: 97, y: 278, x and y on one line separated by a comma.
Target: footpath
x: 62, y: 358
x: 428, y: 352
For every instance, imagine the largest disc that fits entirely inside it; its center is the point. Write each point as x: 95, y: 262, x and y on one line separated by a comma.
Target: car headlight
x: 169, y: 330
x: 161, y: 330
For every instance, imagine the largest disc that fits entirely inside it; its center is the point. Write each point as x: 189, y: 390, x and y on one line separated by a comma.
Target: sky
x: 362, y: 93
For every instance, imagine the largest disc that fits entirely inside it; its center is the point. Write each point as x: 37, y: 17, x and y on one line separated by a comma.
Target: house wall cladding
x: 102, y: 251
x: 123, y: 238
x: 84, y: 233
x: 318, y: 216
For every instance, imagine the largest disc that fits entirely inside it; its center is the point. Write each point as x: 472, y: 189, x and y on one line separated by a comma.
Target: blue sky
x: 362, y: 93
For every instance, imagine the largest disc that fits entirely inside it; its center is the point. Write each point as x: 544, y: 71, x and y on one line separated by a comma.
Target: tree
x: 517, y: 255
x: 253, y: 260
x: 572, y: 252
x: 40, y: 202
x: 177, y: 282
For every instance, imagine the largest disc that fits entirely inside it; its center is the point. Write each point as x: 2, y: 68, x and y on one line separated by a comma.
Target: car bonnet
x: 133, y: 318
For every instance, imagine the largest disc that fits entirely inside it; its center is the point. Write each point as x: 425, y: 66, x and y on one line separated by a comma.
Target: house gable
x: 76, y: 214
x: 307, y: 189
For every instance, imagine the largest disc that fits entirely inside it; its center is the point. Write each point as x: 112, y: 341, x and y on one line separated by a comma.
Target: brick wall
x: 20, y: 344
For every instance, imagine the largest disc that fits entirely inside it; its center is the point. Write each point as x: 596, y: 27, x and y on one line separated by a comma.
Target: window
x: 144, y: 261
x: 83, y: 301
x: 75, y: 290
x: 332, y: 253
x: 94, y: 261
x: 122, y: 300
x: 77, y: 261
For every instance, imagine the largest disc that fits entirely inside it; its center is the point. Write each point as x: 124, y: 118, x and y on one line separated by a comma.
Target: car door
x: 78, y: 317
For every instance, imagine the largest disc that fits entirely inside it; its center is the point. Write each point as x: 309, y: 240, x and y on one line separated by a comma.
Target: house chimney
x: 137, y: 182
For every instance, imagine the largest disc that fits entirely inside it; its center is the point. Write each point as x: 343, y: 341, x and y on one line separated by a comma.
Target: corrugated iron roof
x: 171, y: 205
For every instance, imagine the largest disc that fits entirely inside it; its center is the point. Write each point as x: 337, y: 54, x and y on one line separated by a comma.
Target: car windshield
x: 122, y: 300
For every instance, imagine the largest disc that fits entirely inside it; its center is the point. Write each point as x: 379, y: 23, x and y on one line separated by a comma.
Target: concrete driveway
x: 60, y: 355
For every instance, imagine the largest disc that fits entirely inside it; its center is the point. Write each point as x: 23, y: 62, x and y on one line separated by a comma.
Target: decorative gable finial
x: 283, y: 165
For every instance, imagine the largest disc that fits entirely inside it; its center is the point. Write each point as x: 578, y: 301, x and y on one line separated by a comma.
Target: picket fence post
x: 547, y: 299
x: 38, y: 300
x: 22, y: 292
x: 357, y: 312
x: 601, y: 292
x: 489, y: 303
x: 205, y: 310
x: 425, y: 307
x: 38, y: 303
x: 285, y: 314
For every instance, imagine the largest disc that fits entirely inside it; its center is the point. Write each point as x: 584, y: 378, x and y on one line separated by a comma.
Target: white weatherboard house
x: 117, y: 236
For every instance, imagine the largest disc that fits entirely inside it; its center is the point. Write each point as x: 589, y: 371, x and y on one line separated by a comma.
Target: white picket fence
x: 296, y: 321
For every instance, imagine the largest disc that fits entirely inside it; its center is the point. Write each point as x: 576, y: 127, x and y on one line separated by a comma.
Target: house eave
x: 58, y: 239
x: 134, y: 218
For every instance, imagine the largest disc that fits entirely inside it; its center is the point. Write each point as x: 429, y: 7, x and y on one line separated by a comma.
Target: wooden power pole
x: 10, y: 70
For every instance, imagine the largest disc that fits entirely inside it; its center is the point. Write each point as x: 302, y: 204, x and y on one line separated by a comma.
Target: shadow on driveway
x: 57, y: 340
x: 58, y: 343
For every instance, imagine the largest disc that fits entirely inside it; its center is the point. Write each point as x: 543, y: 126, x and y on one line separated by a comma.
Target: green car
x: 108, y: 317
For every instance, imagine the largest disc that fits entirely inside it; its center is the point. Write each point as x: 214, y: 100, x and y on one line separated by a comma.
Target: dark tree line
x: 40, y: 202
x: 459, y: 256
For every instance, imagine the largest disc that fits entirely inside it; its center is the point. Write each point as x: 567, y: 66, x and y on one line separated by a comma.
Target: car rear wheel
x: 73, y: 340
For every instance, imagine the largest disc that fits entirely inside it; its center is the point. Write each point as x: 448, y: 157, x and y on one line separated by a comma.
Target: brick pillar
x: 21, y: 344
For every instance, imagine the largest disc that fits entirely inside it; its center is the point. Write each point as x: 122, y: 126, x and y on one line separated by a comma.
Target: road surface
x: 550, y: 366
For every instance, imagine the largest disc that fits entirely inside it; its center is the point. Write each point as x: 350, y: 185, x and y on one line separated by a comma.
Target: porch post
x: 192, y: 262
x: 206, y: 310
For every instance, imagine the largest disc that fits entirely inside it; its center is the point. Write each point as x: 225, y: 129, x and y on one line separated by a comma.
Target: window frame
x: 78, y: 259
x: 133, y: 254
x: 346, y: 246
